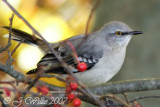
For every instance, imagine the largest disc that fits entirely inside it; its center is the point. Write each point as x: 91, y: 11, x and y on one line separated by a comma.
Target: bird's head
x: 117, y: 33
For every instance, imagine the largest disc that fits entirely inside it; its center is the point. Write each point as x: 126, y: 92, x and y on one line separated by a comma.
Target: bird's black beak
x: 132, y: 33
x: 135, y: 32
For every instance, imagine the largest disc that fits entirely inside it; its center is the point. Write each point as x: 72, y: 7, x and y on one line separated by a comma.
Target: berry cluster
x: 70, y: 89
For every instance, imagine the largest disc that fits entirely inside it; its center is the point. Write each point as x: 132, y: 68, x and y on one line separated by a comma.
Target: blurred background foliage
x: 60, y: 19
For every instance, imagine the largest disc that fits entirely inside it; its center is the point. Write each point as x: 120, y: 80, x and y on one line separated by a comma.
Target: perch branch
x: 126, y: 86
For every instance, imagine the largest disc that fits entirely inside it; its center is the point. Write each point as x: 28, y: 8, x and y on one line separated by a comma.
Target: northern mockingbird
x: 103, y: 52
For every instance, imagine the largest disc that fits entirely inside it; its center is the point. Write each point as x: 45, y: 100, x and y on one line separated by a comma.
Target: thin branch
x: 125, y: 96
x: 9, y: 60
x: 14, y: 50
x: 9, y: 40
x: 91, y: 14
x: 22, y: 78
x: 38, y: 76
x: 10, y: 28
x: 95, y: 6
x: 143, y: 97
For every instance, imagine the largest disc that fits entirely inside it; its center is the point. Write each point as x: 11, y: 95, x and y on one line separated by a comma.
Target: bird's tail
x: 22, y: 36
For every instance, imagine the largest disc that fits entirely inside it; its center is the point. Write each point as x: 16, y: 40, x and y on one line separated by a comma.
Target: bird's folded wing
x: 52, y: 65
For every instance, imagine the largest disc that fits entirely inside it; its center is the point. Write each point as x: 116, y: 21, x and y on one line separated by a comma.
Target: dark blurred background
x: 142, y: 58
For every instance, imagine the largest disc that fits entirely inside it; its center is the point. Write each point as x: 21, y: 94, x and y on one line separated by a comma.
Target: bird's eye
x: 118, y: 33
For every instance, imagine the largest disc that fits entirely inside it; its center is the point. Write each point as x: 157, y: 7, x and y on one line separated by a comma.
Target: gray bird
x: 103, y: 52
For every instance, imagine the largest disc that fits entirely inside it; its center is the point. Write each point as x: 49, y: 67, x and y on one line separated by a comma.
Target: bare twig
x: 9, y: 60
x: 38, y: 76
x: 90, y: 16
x: 10, y: 28
x: 125, y: 96
x: 22, y: 78
x: 9, y: 40
x: 14, y: 50
x: 143, y: 97
x: 95, y: 6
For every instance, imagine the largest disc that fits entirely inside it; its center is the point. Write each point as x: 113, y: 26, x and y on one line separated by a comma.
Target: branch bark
x: 22, y: 78
x: 126, y: 86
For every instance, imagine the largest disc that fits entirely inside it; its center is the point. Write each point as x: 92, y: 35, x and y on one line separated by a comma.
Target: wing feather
x: 54, y: 66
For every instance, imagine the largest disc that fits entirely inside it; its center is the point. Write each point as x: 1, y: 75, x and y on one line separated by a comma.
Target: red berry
x: 73, y: 86
x: 43, y: 89
x: 7, y: 92
x: 77, y: 102
x: 70, y: 96
x: 82, y: 66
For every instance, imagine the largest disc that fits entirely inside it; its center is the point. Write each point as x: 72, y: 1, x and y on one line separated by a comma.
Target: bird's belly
x: 103, y: 71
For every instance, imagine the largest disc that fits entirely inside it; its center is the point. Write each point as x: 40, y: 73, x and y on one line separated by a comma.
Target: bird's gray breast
x: 105, y: 69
